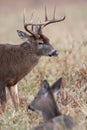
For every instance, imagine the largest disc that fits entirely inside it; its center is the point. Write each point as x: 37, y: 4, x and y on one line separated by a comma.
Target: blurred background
x: 11, y: 13
x: 69, y: 38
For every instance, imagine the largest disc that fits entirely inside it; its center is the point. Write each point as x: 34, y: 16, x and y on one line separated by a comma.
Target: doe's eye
x: 36, y: 98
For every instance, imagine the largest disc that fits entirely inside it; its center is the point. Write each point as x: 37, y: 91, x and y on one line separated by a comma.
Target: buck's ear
x: 56, y: 86
x: 24, y: 36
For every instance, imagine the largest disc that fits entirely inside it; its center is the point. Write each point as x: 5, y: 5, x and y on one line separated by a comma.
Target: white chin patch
x: 52, y: 52
x: 39, y: 112
x: 45, y: 95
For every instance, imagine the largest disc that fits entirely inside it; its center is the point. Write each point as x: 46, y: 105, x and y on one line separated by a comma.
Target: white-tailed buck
x: 44, y: 103
x: 16, y: 61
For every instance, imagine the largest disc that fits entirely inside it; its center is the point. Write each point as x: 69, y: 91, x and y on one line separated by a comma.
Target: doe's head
x: 37, y: 41
x: 44, y: 102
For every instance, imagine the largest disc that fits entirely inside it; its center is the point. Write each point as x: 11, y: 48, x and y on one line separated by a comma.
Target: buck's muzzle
x: 54, y: 53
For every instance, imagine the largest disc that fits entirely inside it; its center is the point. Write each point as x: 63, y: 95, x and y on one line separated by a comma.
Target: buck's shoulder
x: 5, y: 47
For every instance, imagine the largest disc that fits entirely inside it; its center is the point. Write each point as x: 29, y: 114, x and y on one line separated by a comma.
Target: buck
x: 16, y: 61
x: 45, y: 103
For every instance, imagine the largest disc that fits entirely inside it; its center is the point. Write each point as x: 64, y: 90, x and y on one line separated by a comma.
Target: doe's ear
x: 56, y: 86
x: 24, y: 36
x: 44, y: 87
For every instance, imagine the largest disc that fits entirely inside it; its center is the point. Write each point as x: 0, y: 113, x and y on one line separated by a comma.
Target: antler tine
x: 28, y: 24
x: 24, y: 17
x: 31, y: 21
x: 46, y: 18
x: 53, y: 21
x: 32, y: 27
x: 54, y: 12
x: 41, y: 25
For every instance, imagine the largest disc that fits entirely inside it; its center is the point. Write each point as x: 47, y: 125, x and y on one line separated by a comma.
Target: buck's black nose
x: 54, y: 53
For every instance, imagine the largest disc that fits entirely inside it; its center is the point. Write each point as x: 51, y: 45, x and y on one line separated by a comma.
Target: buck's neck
x: 51, y: 113
x: 25, y: 59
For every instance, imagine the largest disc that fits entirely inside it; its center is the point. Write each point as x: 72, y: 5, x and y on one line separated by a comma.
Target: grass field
x: 70, y: 39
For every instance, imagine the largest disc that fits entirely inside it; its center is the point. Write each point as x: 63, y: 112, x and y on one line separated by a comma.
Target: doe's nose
x: 30, y: 107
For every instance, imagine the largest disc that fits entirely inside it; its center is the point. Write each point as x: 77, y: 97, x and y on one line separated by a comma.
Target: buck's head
x: 37, y: 41
x: 44, y: 102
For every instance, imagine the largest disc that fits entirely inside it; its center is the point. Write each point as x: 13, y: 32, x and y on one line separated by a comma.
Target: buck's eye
x: 40, y: 43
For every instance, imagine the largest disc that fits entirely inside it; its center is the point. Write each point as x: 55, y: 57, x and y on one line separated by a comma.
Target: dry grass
x: 70, y: 39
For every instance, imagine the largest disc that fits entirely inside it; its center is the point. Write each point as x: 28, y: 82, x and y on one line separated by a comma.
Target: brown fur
x: 16, y: 61
x: 45, y: 104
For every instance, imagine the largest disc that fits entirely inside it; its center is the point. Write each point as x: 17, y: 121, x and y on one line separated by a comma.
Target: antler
x: 52, y: 20
x: 41, y: 25
x: 29, y: 24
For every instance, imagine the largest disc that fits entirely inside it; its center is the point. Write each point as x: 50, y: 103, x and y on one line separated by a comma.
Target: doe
x: 44, y: 103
